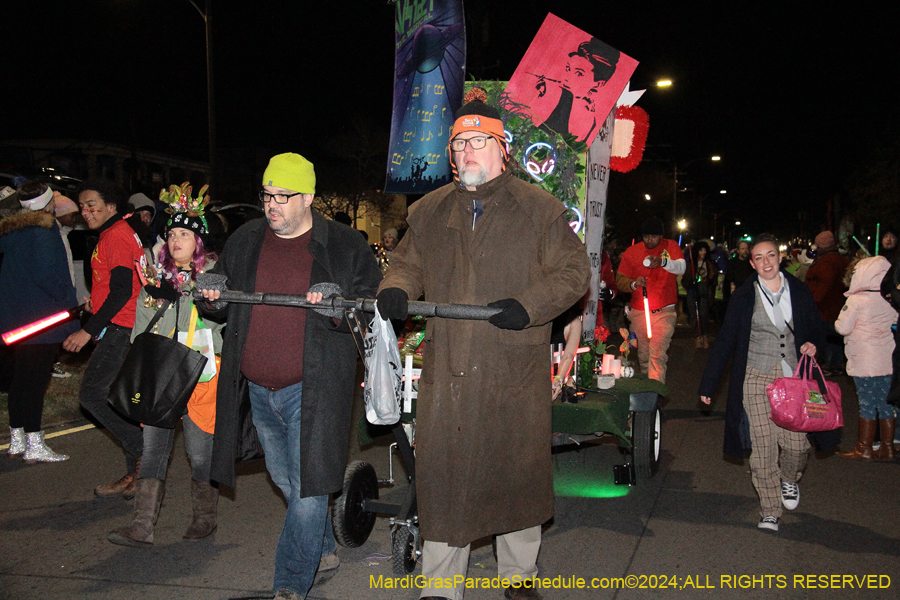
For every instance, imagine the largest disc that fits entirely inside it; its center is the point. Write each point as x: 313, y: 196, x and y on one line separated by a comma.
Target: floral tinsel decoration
x: 557, y: 156
x: 590, y: 360
x: 179, y: 199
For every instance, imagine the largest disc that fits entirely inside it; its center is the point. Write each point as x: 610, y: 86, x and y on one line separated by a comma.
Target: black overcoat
x: 734, y: 338
x: 341, y: 256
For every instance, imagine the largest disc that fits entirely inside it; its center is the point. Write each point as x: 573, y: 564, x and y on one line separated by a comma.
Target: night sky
x: 794, y: 99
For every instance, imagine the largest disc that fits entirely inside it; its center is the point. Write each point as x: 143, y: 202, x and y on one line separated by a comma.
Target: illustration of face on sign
x: 569, y: 80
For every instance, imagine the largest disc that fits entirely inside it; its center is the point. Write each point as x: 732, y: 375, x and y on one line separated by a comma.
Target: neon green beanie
x: 291, y: 172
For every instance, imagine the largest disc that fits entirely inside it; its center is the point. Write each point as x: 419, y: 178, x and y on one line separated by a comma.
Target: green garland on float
x: 550, y: 160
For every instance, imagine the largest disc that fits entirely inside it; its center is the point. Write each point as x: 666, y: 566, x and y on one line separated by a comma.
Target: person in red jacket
x: 652, y: 264
x: 116, y: 284
x: 825, y: 279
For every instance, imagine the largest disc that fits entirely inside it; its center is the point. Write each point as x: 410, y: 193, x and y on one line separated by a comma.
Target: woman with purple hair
x: 183, y: 256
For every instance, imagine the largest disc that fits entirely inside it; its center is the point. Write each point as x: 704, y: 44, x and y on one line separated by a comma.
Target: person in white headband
x: 38, y: 202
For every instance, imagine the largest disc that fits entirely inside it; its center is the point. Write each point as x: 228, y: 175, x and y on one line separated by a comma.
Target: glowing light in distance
x: 715, y: 158
x: 682, y: 224
x: 664, y: 83
x: 723, y: 191
x: 646, y: 196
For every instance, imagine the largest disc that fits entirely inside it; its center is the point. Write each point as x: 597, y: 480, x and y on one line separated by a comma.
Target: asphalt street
x: 690, y: 532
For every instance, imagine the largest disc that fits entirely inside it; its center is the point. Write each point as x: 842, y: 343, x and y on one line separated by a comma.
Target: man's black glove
x: 607, y: 294
x: 513, y: 315
x: 393, y: 303
x: 163, y: 292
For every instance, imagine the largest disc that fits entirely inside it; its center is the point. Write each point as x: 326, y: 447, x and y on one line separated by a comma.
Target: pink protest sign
x: 569, y: 80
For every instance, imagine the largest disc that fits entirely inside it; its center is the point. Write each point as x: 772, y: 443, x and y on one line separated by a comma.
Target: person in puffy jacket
x: 865, y: 322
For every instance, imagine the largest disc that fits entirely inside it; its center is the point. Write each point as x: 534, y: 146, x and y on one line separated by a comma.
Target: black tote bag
x: 157, y: 378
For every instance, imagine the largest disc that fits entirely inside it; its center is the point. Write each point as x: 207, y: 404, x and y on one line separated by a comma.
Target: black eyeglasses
x: 477, y: 143
x: 265, y: 196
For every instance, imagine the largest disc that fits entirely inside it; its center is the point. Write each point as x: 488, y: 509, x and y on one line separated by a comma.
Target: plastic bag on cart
x: 384, y: 371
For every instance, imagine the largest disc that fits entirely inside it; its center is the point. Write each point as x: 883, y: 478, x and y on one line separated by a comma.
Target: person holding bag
x: 180, y: 260
x: 865, y: 322
x: 770, y: 322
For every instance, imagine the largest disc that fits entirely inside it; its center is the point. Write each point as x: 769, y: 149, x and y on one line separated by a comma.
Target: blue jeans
x: 158, y: 448
x: 101, y: 371
x: 307, y: 535
x: 872, y: 393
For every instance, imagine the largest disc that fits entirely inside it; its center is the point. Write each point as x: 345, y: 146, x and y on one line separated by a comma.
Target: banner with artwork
x: 429, y: 69
x: 569, y: 80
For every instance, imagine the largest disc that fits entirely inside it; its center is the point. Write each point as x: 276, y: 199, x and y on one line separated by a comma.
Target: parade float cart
x: 629, y: 412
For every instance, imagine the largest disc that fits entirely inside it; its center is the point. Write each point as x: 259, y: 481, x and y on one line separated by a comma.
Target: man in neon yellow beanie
x: 264, y: 361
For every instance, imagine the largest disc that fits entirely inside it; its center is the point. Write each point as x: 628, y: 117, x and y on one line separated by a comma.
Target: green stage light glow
x: 581, y: 481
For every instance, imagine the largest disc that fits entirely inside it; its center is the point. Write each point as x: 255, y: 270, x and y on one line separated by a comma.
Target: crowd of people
x: 488, y: 238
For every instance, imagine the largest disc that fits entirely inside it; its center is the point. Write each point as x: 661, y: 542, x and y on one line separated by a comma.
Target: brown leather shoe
x: 108, y: 490
x: 124, y: 486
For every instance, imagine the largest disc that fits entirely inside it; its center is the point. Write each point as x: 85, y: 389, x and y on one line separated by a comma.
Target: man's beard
x: 471, y: 178
x: 285, y: 226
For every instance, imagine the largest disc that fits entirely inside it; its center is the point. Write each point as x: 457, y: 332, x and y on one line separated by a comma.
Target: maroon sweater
x: 273, y: 354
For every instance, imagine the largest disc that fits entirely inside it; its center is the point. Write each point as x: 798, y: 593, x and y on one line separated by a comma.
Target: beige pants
x: 768, y: 467
x: 516, y: 560
x: 653, y: 352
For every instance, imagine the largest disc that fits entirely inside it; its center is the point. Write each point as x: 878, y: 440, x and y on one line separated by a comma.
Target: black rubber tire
x: 403, y: 552
x: 645, y: 439
x: 352, y: 525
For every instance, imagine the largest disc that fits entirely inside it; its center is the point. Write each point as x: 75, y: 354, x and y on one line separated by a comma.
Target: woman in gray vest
x: 770, y: 322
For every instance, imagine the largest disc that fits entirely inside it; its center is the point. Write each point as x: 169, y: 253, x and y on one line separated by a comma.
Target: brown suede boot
x: 886, y: 452
x: 204, y: 501
x: 148, y: 496
x: 866, y: 436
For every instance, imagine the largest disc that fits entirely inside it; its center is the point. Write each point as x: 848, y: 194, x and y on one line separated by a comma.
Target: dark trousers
x: 33, y: 366
x: 99, y: 375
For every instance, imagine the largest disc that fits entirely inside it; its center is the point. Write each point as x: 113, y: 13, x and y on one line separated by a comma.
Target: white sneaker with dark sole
x: 790, y: 495
x: 768, y: 523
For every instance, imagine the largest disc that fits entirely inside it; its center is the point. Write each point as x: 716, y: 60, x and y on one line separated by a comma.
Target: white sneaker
x: 769, y: 523
x: 59, y: 372
x: 790, y: 495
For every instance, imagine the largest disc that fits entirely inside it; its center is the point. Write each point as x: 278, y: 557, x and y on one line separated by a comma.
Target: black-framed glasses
x: 478, y: 142
x: 265, y: 196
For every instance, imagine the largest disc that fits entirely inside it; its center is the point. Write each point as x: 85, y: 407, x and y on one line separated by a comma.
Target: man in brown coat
x: 825, y: 279
x: 484, y: 413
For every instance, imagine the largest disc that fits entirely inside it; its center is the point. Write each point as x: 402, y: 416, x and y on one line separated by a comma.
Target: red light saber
x: 11, y: 337
x: 647, y: 312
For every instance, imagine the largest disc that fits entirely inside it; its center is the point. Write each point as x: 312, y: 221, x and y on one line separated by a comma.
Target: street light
x: 207, y: 20
x: 682, y: 224
x: 664, y: 83
x: 647, y: 197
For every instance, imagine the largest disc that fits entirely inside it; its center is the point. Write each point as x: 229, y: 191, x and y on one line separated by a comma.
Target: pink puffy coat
x: 865, y: 321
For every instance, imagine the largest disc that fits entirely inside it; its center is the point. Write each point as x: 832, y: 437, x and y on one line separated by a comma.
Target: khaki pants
x: 653, y: 352
x: 767, y: 467
x: 516, y: 560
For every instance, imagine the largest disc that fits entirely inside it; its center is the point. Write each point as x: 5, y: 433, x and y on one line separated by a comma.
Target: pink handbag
x: 806, y: 402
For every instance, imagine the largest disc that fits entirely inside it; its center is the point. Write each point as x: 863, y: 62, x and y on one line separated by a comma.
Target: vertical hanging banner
x: 429, y: 69
x: 569, y: 80
x: 597, y: 176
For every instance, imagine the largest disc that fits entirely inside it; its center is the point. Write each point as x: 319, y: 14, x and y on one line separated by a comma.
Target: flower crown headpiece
x: 179, y: 199
x: 185, y: 209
